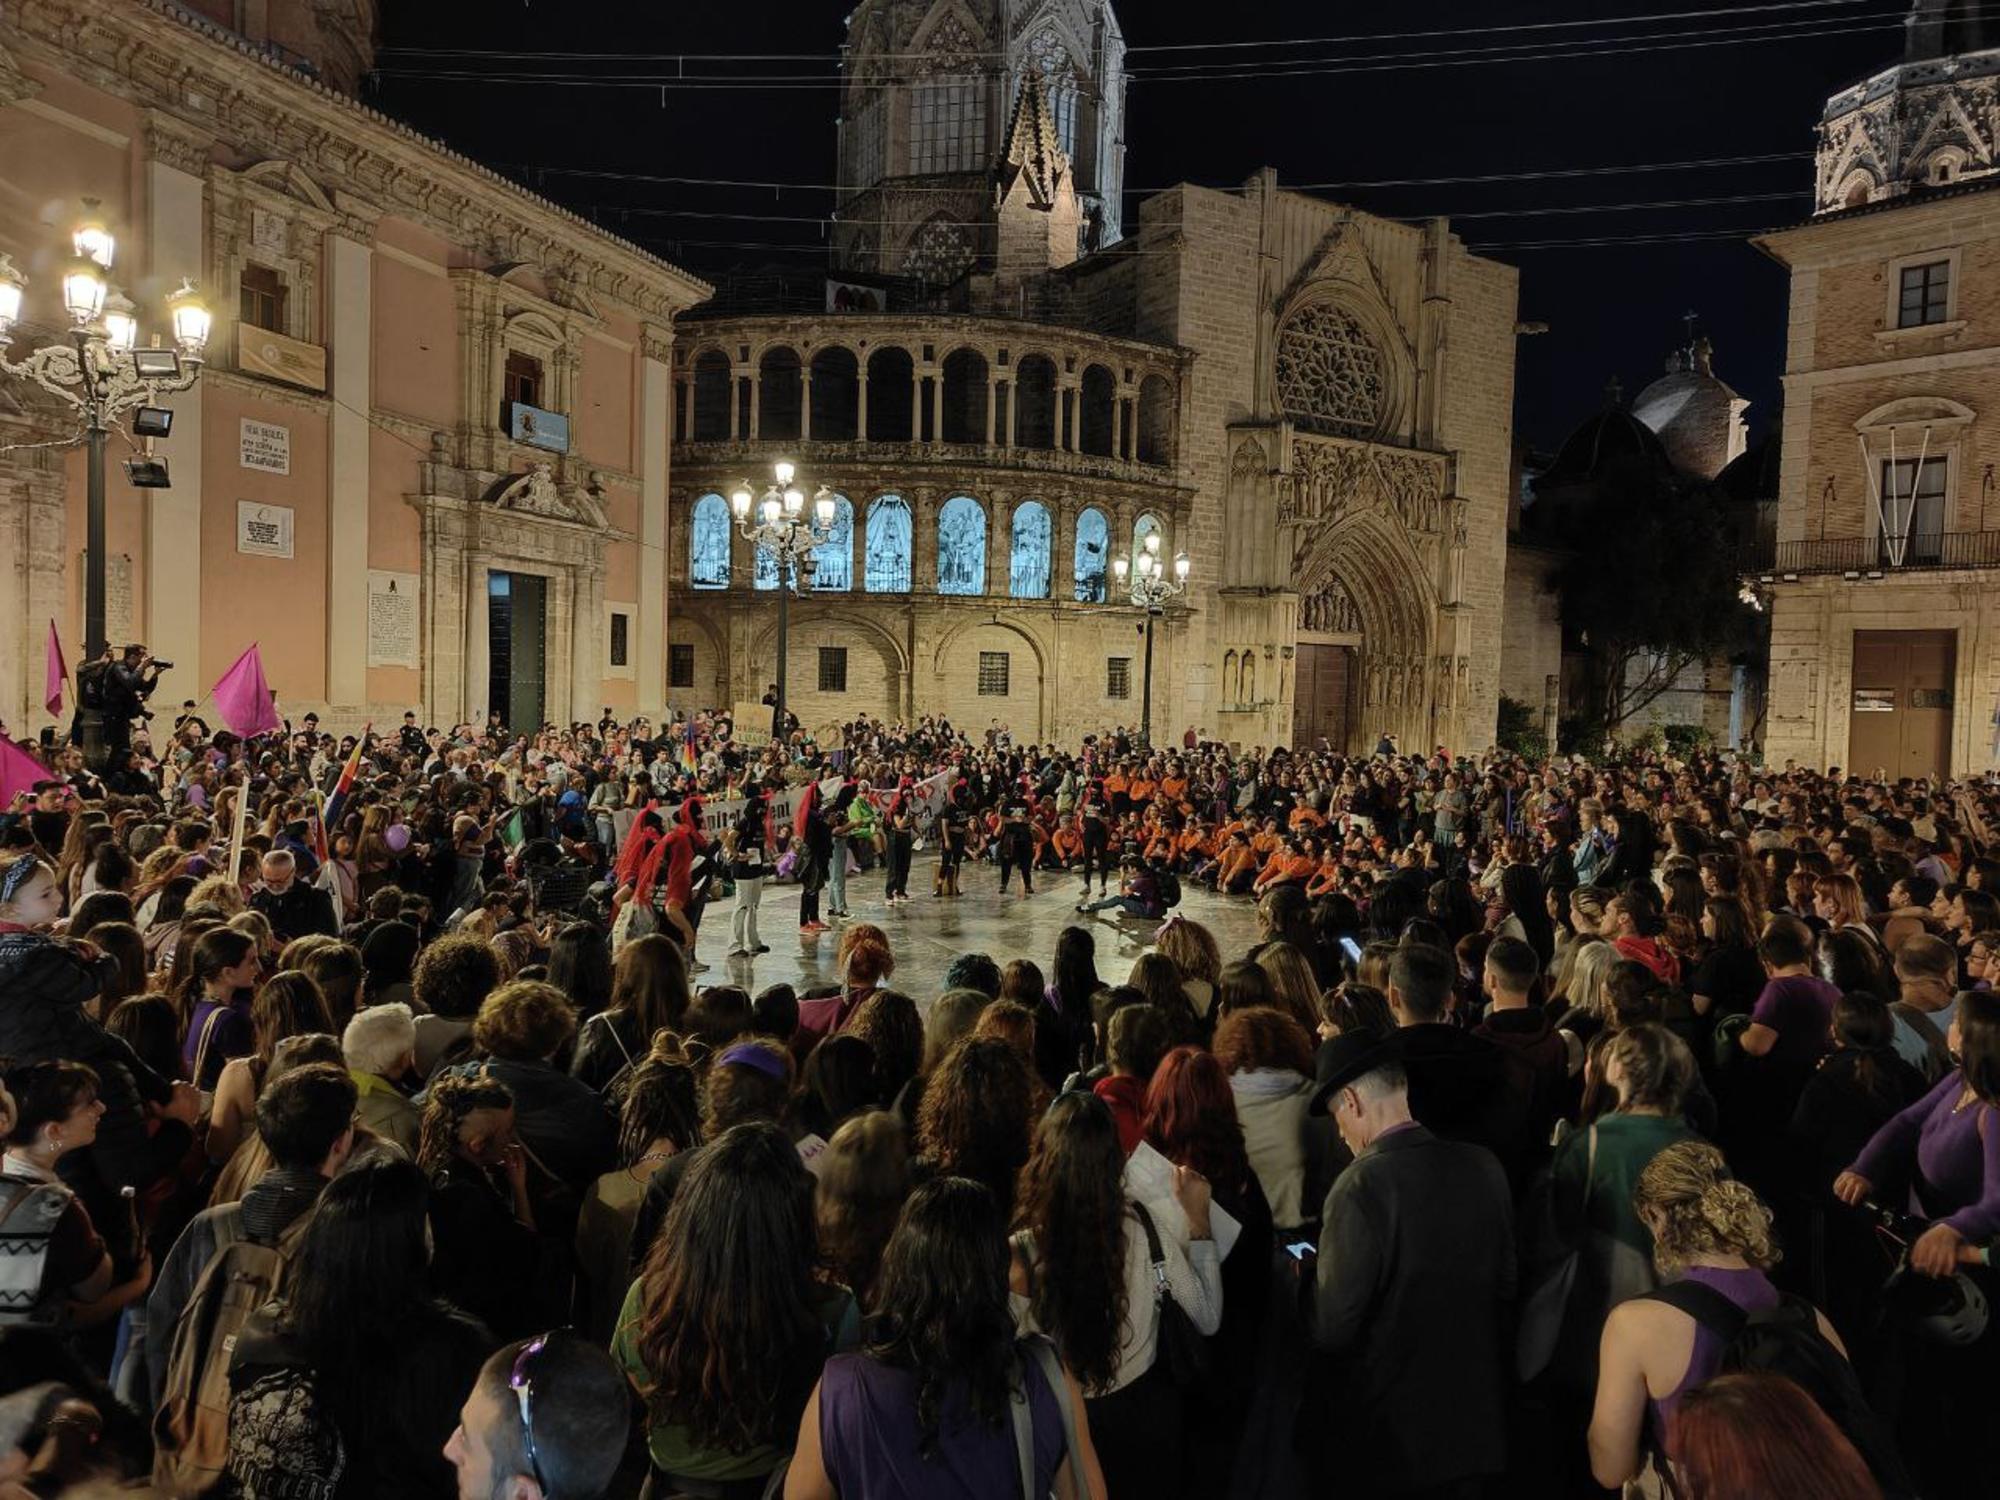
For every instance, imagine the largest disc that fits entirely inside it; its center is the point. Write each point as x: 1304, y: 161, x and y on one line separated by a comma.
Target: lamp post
x: 781, y: 523
x: 98, y: 370
x: 1146, y: 573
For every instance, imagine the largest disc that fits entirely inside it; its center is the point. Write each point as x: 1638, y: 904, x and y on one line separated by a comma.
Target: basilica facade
x: 1009, y: 387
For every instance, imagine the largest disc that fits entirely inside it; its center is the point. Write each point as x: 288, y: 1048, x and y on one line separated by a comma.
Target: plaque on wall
x: 266, y: 447
x: 263, y: 530
x: 1874, y: 700
x: 117, y: 596
x: 392, y: 619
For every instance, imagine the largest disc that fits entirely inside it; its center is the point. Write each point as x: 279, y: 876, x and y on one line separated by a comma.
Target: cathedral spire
x: 1034, y: 152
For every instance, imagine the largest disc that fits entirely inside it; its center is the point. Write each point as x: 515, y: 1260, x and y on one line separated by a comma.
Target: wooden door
x: 1901, y: 713
x: 1320, y: 699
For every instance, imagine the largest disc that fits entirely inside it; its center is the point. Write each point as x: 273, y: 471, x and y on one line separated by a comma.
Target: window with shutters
x: 523, y: 380
x: 993, y: 674
x: 261, y: 298
x: 833, y: 669
x: 1118, y: 677
x: 621, y: 639
x: 680, y: 665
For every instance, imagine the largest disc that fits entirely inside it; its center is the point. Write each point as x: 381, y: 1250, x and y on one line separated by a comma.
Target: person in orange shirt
x: 1142, y: 789
x: 1174, y: 785
x: 1067, y: 842
x: 1160, y: 846
x: 1236, y: 867
x: 1288, y: 864
x: 1117, y: 791
x: 1191, y: 847
x: 1325, y: 880
x: 1304, y: 818
x: 1264, y: 843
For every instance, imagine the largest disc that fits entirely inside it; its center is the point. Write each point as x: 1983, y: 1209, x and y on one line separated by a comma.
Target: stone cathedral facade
x: 1007, y: 384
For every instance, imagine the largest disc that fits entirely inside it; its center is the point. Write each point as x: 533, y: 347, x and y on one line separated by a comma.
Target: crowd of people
x: 1569, y: 1127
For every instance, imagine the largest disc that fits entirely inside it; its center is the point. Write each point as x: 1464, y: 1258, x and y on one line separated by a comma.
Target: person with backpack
x: 306, y: 1120
x: 347, y: 1383
x: 51, y: 1258
x: 1721, y: 1312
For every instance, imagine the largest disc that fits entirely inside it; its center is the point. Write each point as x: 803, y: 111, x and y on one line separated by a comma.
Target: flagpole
x: 237, y: 836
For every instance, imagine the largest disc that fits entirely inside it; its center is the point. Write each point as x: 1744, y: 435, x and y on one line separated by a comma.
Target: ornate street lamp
x: 1146, y: 573
x: 781, y: 523
x: 99, y: 371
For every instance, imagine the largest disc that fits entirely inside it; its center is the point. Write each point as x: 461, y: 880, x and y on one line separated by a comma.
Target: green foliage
x: 1683, y: 740
x: 1520, y: 730
x: 1651, y: 586
x: 1580, y: 733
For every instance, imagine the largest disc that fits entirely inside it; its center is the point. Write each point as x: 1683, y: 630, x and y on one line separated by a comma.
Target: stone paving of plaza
x: 927, y: 934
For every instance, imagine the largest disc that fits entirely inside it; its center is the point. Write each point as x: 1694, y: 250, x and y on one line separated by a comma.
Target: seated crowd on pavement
x: 1570, y: 1127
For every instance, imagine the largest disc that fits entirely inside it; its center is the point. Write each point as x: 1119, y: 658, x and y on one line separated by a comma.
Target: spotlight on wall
x: 1852, y: 575
x: 152, y: 421
x: 156, y: 364
x: 1875, y: 574
x: 148, y: 473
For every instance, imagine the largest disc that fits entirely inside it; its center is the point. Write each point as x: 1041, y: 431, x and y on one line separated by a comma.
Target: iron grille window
x: 833, y: 669
x: 680, y: 666
x: 993, y: 674
x: 1926, y: 294
x: 621, y: 639
x: 1118, y: 677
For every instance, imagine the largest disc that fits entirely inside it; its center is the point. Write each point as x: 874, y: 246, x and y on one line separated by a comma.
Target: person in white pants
x: 749, y: 866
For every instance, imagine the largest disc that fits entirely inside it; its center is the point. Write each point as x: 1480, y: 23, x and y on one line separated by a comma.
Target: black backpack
x: 1785, y: 1340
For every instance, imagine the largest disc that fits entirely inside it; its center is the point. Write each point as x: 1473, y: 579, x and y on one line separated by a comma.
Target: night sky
x: 1625, y: 91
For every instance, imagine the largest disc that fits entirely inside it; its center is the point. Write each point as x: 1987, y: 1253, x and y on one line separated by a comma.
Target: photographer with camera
x: 127, y: 682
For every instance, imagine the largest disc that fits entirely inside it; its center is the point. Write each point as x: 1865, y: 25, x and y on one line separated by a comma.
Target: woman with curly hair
x: 1716, y: 1234
x: 924, y: 1407
x: 520, y: 1030
x: 726, y: 1329
x: 1083, y: 1274
x: 482, y: 1217
x: 977, y: 1114
x: 889, y: 1023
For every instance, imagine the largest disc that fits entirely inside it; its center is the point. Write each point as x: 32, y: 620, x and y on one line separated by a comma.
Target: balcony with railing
x: 1872, y: 556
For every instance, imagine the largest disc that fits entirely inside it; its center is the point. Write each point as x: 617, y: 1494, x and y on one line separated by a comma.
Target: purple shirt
x: 1750, y: 1290
x: 868, y: 1437
x: 1800, y: 1009
x: 1957, y: 1157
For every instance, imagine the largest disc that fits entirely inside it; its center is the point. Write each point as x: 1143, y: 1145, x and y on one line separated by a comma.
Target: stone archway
x: 1388, y: 622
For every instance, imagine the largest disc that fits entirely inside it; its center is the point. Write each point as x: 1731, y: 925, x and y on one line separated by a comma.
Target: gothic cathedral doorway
x: 1323, y: 696
x: 517, y: 649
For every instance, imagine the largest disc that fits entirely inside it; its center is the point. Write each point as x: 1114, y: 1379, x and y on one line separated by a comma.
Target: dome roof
x: 1698, y: 418
x: 1610, y: 437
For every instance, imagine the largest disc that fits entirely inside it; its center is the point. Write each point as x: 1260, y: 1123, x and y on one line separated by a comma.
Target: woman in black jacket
x: 649, y: 994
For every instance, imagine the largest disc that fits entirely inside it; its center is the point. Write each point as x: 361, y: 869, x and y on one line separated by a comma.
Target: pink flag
x: 19, y: 771
x: 243, y: 698
x: 55, y: 673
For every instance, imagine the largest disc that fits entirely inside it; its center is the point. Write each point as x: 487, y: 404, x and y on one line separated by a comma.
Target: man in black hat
x: 1412, y: 1284
x: 1016, y: 849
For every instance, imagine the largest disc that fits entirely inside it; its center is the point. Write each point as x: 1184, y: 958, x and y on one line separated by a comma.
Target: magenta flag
x: 54, y: 674
x: 243, y: 698
x: 19, y: 771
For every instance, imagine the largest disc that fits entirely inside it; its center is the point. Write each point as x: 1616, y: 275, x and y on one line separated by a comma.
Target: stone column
x: 805, y: 401
x: 1013, y: 437
x: 586, y: 643
x: 916, y: 406
x: 1062, y: 547
x: 478, y: 653
x: 735, y: 403
x: 923, y: 540
x: 350, y: 310
x: 176, y: 246
x: 992, y: 437
x: 861, y: 405
x: 999, y: 543
x: 754, y: 379
x: 937, y: 405
x: 656, y: 344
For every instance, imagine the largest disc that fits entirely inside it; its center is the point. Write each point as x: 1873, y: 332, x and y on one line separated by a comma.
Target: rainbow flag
x: 689, y: 762
x: 336, y: 800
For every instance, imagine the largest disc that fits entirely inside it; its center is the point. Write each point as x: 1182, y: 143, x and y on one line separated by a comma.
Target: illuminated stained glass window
x: 1093, y: 546
x: 708, y: 543
x: 886, y: 566
x: 1142, y: 528
x: 833, y: 559
x: 1034, y: 541
x: 961, y: 546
